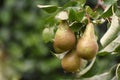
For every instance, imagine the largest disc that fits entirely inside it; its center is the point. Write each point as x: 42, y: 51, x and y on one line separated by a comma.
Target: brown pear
x: 87, y: 46
x: 71, y: 62
x: 64, y: 38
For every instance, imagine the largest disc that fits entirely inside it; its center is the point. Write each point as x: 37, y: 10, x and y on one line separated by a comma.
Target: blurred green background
x: 24, y: 54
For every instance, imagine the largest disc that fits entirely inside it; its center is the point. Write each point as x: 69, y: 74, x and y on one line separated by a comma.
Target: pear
x: 87, y: 46
x: 64, y: 38
x: 71, y: 62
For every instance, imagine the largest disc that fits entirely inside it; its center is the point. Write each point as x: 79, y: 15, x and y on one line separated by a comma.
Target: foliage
x: 26, y: 49
x: 109, y: 43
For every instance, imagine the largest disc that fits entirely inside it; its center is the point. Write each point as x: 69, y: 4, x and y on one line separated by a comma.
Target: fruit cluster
x: 84, y: 47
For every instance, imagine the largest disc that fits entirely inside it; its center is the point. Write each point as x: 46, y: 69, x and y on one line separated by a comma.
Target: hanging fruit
x: 87, y: 46
x: 64, y: 38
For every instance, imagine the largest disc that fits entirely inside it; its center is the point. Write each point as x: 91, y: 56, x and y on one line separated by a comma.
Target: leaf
x: 84, y: 71
x: 112, y: 32
x: 109, y: 2
x: 69, y: 4
x: 48, y: 8
x: 63, y: 15
x: 112, y: 47
x: 48, y: 34
x: 89, y: 10
x: 82, y: 2
x: 80, y: 15
x: 76, y: 26
x: 73, y: 15
x: 103, y: 76
x: 108, y: 10
x: 118, y: 71
x: 107, y: 13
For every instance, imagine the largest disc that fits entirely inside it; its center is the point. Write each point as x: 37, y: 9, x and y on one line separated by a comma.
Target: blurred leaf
x: 15, y: 50
x: 24, y: 66
x: 63, y: 15
x: 48, y: 8
x: 118, y: 71
x: 109, y: 2
x: 87, y: 69
x: 112, y: 32
x: 117, y: 49
x: 48, y: 65
x: 72, y: 15
x: 118, y: 12
x: 76, y: 27
x: 10, y: 3
x: 48, y: 34
x: 80, y: 15
x: 5, y: 16
x: 5, y: 34
x: 31, y: 40
x: 71, y: 3
x: 81, y: 2
x: 103, y: 76
x: 88, y: 10
x: 93, y: 71
x: 112, y: 47
x: 107, y: 12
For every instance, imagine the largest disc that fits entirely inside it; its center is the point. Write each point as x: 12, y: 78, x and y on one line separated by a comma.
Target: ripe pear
x: 64, y: 38
x: 71, y: 62
x: 87, y: 46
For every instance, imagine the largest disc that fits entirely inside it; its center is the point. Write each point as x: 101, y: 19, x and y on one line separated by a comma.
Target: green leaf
x: 108, y: 10
x: 48, y: 8
x: 112, y: 32
x: 80, y: 15
x: 15, y: 50
x: 118, y: 12
x: 72, y: 15
x: 48, y: 34
x: 107, y: 13
x: 109, y: 2
x: 75, y: 15
x: 82, y: 2
x: 76, y: 27
x: 118, y: 71
x: 89, y: 10
x: 69, y: 4
x: 117, y: 49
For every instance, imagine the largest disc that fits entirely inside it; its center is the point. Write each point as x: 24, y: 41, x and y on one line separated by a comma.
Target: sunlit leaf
x: 48, y: 8
x: 107, y: 12
x: 63, y: 15
x: 112, y: 32
x: 112, y: 47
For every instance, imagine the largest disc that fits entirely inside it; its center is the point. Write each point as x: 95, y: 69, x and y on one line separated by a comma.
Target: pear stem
x: 88, y: 17
x: 63, y: 24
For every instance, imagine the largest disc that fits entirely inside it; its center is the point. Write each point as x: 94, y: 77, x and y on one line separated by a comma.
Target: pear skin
x: 64, y: 38
x: 71, y: 62
x: 87, y: 46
